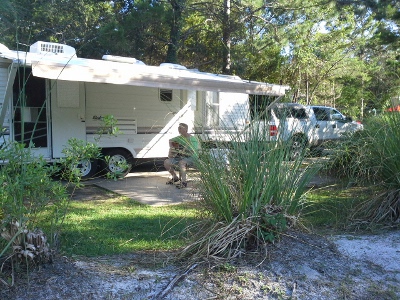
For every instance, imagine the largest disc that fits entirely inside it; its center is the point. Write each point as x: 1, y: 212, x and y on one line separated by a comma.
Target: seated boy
x: 183, y: 153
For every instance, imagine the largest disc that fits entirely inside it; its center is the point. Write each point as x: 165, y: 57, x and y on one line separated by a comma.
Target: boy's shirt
x: 189, y: 146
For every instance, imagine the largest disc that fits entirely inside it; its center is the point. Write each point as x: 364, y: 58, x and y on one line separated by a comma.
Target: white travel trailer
x: 49, y: 95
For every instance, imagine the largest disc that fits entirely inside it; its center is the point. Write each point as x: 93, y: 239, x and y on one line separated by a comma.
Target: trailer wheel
x: 119, y: 162
x: 88, y: 168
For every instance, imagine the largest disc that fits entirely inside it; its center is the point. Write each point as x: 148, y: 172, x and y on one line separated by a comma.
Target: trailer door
x: 30, y: 111
x: 67, y: 114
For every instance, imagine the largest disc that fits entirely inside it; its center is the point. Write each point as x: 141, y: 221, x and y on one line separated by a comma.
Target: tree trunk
x: 175, y: 32
x: 226, y: 38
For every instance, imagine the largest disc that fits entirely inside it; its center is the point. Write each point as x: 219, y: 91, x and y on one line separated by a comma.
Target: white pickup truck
x: 306, y: 126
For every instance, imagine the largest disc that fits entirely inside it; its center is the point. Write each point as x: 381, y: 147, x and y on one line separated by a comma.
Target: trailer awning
x: 88, y: 70
x: 112, y: 72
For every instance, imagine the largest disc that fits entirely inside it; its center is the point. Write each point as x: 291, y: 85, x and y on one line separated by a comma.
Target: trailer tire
x: 88, y: 168
x: 119, y: 161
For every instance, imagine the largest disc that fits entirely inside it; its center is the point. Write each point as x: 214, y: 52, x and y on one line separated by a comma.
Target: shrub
x: 76, y: 152
x: 249, y: 192
x: 372, y: 157
x: 26, y: 191
x: 30, y: 198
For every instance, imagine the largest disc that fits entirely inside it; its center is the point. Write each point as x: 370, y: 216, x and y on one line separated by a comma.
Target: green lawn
x: 121, y: 225
x: 118, y: 225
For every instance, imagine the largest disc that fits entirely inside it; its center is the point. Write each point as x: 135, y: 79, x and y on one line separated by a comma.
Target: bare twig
x: 174, y: 281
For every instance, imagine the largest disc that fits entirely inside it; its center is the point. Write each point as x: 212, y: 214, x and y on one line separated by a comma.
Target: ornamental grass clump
x: 372, y: 157
x: 249, y: 193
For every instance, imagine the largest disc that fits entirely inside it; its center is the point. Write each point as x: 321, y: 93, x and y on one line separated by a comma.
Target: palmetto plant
x: 28, y: 246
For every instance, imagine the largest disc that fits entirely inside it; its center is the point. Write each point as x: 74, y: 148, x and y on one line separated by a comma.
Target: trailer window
x: 165, y: 95
x: 212, y: 109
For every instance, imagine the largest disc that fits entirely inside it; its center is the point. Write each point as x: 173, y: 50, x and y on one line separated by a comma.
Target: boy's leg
x: 182, y: 169
x: 183, y: 165
x: 169, y: 166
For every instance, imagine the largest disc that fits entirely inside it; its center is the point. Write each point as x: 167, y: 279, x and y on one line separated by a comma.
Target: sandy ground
x: 299, y: 266
x: 382, y: 250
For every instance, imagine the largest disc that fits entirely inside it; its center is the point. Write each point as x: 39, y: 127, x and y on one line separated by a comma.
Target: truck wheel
x: 88, y: 168
x: 119, y: 162
x: 298, y: 145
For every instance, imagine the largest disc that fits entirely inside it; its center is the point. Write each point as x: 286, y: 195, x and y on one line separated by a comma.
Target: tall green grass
x: 372, y: 157
x: 251, y: 199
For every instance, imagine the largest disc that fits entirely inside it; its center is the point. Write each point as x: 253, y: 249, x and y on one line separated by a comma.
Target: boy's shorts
x: 175, y: 160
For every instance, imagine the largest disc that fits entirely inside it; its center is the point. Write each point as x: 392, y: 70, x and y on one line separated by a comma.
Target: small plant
x: 273, y: 222
x: 26, y: 191
x: 108, y: 127
x: 227, y: 267
x: 77, y: 153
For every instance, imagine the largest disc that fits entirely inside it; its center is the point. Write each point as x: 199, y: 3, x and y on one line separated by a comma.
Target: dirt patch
x: 299, y: 266
x: 89, y: 192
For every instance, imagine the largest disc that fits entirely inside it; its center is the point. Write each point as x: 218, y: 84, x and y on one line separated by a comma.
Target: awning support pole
x: 9, y: 87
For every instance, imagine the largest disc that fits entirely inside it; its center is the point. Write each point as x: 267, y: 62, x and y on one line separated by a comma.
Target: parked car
x: 306, y: 126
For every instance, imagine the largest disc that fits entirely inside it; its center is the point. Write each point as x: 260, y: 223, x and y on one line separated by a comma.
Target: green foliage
x: 27, y: 190
x: 26, y: 183
x: 251, y: 200
x: 118, y: 225
x: 329, y: 208
x: 373, y: 157
x: 273, y: 223
x: 108, y: 127
x: 339, y: 54
x: 76, y: 153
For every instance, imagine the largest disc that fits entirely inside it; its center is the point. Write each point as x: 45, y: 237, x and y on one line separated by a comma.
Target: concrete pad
x: 146, y: 184
x: 148, y: 188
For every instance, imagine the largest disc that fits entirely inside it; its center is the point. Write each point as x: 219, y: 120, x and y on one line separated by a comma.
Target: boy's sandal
x: 172, y: 181
x: 182, y: 185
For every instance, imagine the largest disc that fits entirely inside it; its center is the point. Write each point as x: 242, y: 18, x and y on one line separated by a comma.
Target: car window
x: 337, y: 116
x: 290, y: 112
x: 299, y: 113
x: 322, y: 114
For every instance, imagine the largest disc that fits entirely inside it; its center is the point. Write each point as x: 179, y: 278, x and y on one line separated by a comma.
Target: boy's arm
x: 174, y: 142
x: 176, y: 149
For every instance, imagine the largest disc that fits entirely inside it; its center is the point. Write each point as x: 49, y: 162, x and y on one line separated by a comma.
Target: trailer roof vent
x: 55, y: 48
x: 122, y: 59
x: 173, y: 66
